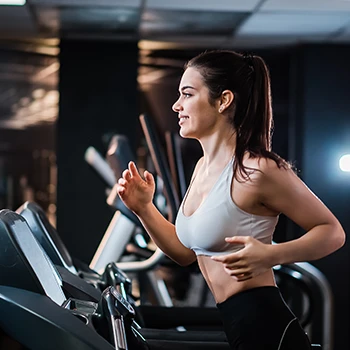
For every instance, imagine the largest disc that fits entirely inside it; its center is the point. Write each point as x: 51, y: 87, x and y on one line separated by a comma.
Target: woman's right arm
x: 137, y: 195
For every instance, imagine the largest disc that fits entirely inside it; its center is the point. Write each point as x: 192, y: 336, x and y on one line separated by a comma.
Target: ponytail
x: 248, y: 78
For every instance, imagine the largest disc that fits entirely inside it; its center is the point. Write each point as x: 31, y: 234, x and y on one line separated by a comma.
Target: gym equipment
x: 112, y: 244
x: 54, y: 247
x: 32, y: 289
x: 158, y: 158
x: 22, y: 252
x: 124, y: 226
x: 33, y: 293
x: 175, y: 162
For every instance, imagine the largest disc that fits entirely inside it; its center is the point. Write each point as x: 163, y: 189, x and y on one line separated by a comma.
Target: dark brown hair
x: 248, y: 78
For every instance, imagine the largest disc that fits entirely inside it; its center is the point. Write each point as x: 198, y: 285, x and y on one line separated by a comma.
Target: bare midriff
x: 222, y: 285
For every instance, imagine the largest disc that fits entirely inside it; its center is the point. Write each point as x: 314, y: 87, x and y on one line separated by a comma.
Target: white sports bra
x: 218, y: 217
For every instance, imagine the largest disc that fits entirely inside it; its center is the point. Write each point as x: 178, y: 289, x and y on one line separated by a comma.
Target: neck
x: 218, y: 148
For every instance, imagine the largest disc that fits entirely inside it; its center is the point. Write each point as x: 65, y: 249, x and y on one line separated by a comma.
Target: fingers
x: 129, y: 173
x: 120, y: 189
x: 238, y: 264
x: 227, y: 258
x: 122, y: 182
x: 126, y: 175
x: 148, y: 177
x: 239, y: 274
x: 232, y: 258
x: 132, y: 173
x: 238, y: 239
x: 234, y: 265
x: 133, y: 170
x: 236, y: 271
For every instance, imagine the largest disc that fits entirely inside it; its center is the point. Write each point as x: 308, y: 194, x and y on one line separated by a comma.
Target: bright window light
x: 12, y: 2
x: 344, y: 163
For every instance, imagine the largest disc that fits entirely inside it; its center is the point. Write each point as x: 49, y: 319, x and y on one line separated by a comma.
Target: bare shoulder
x: 262, y: 169
x: 271, y: 181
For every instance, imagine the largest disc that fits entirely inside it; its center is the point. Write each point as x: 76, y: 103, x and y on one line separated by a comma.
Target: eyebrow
x: 187, y: 87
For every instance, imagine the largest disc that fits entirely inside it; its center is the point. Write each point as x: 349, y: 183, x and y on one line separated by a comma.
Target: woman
x: 238, y: 189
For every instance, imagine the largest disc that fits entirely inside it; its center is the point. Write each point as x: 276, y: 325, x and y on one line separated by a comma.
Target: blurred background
x: 74, y: 71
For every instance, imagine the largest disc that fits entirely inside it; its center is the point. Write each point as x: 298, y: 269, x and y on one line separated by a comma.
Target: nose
x: 176, y: 106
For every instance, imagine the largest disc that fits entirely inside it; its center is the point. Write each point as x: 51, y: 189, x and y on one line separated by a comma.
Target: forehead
x: 191, y: 77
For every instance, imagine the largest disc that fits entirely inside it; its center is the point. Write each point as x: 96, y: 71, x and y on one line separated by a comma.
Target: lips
x: 182, y: 118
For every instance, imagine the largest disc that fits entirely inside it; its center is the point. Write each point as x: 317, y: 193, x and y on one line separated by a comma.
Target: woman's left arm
x: 283, y: 191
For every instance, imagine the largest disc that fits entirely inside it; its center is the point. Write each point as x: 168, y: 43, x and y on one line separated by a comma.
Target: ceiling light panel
x: 293, y: 24
x: 88, y: 19
x: 83, y: 3
x: 188, y: 41
x: 12, y: 2
x: 177, y: 22
x: 203, y: 5
x: 306, y: 5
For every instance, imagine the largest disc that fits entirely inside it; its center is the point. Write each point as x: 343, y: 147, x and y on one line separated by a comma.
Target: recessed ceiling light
x: 344, y: 163
x: 12, y: 2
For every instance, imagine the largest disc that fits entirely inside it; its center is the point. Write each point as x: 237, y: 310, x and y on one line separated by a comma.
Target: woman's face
x: 197, y: 117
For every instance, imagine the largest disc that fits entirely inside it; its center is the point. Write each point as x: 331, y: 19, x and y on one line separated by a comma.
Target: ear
x: 226, y: 100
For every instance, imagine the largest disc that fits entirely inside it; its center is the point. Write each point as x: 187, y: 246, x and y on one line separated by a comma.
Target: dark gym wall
x: 322, y: 136
x: 98, y: 95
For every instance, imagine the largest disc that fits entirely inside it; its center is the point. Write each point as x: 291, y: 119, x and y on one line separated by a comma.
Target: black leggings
x: 259, y: 319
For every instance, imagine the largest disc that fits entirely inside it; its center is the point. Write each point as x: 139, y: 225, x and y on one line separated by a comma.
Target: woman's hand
x: 135, y: 192
x: 251, y: 261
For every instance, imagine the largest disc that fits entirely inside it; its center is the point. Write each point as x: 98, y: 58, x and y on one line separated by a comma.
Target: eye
x: 186, y: 95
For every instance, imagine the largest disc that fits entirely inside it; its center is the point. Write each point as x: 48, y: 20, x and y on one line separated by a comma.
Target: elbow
x: 186, y: 260
x: 338, y: 237
x: 184, y: 257
x: 342, y: 237
x: 186, y: 263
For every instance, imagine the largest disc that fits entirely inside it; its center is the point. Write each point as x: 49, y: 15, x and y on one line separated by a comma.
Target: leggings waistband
x: 264, y: 290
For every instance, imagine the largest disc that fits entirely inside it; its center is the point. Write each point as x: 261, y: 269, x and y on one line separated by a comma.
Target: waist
x: 224, y: 286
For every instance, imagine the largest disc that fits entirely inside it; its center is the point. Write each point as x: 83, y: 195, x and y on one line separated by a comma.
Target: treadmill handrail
x: 325, y: 289
x: 176, y: 163
x: 148, y: 264
x: 328, y: 301
x: 94, y: 158
x: 161, y: 169
x: 160, y: 165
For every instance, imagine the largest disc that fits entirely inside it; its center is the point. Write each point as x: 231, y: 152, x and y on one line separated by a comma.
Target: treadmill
x: 36, y: 313
x: 32, y: 293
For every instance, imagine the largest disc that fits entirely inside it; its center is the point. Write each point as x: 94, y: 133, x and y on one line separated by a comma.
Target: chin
x: 187, y: 136
x: 184, y: 134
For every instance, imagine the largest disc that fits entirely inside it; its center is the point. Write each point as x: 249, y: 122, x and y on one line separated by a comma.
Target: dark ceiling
x: 30, y: 34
